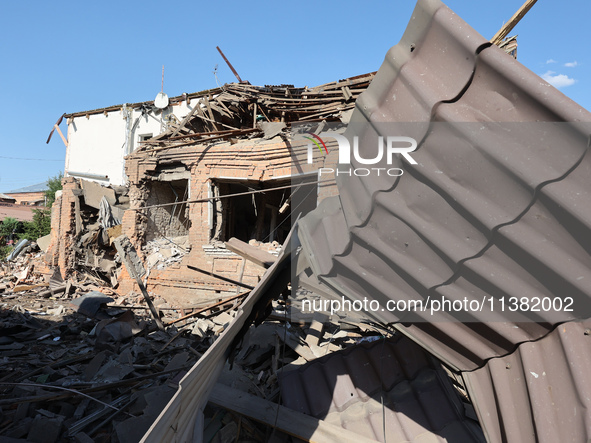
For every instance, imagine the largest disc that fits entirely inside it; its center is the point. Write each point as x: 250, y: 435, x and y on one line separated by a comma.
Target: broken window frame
x: 222, y: 216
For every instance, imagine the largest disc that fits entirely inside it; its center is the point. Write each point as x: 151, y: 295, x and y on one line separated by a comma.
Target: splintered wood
x: 239, y: 108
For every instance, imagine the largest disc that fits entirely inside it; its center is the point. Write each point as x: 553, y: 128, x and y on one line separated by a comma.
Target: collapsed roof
x: 240, y: 109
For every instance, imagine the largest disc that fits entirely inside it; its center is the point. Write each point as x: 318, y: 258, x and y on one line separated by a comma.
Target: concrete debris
x: 95, y: 342
x: 94, y: 193
x: 163, y: 252
x: 44, y: 242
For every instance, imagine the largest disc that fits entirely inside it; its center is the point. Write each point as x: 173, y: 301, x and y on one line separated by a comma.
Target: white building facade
x: 97, y: 141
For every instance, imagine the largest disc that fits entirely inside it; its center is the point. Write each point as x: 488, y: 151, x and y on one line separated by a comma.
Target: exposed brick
x: 253, y: 160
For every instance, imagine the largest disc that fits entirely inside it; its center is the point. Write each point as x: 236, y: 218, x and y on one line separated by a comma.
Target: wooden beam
x: 251, y: 253
x: 185, y: 121
x: 220, y: 277
x: 125, y: 248
x: 507, y: 27
x: 201, y: 115
x: 229, y: 64
x: 294, y: 423
x: 199, y: 311
x: 210, y: 112
x: 59, y: 131
x: 59, y: 121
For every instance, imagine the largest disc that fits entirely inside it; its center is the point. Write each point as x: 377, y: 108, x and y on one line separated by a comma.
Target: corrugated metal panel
x: 481, y: 214
x: 346, y: 388
x: 497, y: 206
x: 541, y: 392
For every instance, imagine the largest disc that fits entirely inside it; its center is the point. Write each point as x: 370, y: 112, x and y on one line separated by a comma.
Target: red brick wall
x: 253, y: 160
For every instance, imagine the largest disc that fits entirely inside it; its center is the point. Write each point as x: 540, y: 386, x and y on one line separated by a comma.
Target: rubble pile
x: 23, y: 269
x: 98, y: 214
x: 163, y: 252
x: 82, y: 363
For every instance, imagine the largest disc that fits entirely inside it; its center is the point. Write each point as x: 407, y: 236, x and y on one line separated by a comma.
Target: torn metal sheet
x: 474, y: 218
x: 293, y: 423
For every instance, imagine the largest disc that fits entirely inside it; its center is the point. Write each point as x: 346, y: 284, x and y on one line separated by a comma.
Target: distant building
x: 7, y: 199
x: 9, y: 208
x: 33, y: 195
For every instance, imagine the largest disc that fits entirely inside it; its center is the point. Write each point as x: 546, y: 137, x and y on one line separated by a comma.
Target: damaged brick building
x: 224, y: 166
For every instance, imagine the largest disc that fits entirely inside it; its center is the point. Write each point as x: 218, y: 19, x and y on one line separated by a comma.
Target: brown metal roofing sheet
x: 497, y: 207
x: 345, y: 388
x: 539, y: 393
x: 472, y: 219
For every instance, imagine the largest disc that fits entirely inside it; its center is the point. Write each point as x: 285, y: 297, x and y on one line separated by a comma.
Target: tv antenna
x: 161, y: 100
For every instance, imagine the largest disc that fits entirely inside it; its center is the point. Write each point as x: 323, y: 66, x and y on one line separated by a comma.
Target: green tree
x: 8, y: 226
x: 41, y: 223
x: 39, y: 226
x: 54, y: 184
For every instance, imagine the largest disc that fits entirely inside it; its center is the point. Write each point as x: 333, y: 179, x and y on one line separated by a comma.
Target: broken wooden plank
x: 125, y: 248
x: 229, y: 64
x: 199, y: 311
x: 507, y: 27
x: 220, y: 277
x: 185, y: 120
x: 202, y: 116
x: 22, y: 288
x: 210, y: 112
x: 287, y: 420
x: 59, y: 121
x: 59, y: 131
x: 249, y: 252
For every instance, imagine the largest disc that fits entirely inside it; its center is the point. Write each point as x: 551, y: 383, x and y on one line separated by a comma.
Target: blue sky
x: 73, y: 56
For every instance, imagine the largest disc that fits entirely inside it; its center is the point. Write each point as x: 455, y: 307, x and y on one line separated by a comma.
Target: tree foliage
x: 39, y: 226
x: 54, y: 184
x: 10, y: 226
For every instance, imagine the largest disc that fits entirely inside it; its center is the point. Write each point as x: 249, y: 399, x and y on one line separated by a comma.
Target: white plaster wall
x: 96, y: 145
